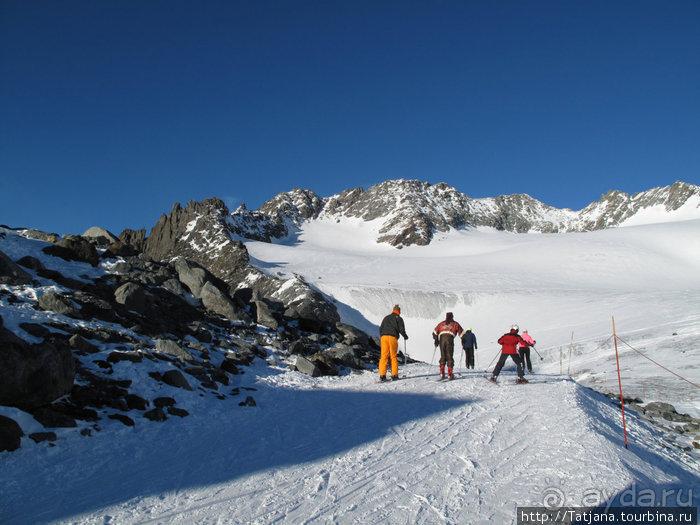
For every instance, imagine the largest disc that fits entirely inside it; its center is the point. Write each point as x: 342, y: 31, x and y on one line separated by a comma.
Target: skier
x: 392, y: 326
x: 524, y: 350
x: 509, y: 343
x: 444, y: 335
x: 469, y: 345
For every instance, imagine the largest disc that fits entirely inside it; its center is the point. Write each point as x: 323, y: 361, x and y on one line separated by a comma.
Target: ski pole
x: 460, y: 360
x: 433, y: 358
x: 492, y: 360
x: 535, y: 349
x: 405, y: 353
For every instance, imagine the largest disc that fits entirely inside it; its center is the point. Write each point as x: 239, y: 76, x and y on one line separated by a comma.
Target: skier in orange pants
x: 392, y: 326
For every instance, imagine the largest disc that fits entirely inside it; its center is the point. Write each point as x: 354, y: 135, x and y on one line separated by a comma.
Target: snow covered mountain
x: 256, y: 440
x: 410, y: 212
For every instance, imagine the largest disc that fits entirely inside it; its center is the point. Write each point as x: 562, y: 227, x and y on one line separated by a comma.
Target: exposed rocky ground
x: 181, y: 307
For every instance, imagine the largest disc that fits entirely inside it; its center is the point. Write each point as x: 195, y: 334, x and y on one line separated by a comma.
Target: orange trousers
x: 390, y: 345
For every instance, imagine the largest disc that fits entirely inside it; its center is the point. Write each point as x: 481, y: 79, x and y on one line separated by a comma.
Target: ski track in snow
x: 351, y: 450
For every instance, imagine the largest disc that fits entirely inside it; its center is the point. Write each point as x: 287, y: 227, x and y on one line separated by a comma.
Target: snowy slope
x: 350, y: 450
x: 554, y: 285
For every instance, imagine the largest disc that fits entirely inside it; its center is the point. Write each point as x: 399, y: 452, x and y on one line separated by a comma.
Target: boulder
x: 263, y: 315
x: 191, y: 275
x: 40, y: 437
x: 53, y: 302
x: 307, y: 367
x: 33, y: 375
x: 81, y: 345
x: 176, y: 378
x: 171, y: 348
x: 131, y: 295
x: 100, y: 237
x: 218, y: 302
x: 11, y: 273
x: 10, y: 434
x: 74, y: 248
x: 41, y: 236
x: 346, y: 355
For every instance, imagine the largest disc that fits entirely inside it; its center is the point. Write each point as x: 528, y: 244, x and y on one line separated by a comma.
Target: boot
x: 394, y: 378
x: 382, y: 378
x: 442, y: 371
x: 450, y: 374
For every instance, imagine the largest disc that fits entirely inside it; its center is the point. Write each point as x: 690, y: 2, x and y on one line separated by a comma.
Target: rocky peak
x: 411, y: 211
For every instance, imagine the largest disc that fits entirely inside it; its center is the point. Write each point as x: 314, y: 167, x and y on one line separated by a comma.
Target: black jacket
x: 393, y: 325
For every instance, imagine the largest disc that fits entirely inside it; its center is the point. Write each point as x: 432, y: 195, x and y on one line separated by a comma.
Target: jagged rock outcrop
x: 11, y: 273
x: 202, y: 233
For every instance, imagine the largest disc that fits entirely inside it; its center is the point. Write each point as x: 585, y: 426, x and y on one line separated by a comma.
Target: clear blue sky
x: 113, y: 110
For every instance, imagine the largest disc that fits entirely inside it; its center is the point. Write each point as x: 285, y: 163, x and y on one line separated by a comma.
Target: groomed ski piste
x: 348, y: 449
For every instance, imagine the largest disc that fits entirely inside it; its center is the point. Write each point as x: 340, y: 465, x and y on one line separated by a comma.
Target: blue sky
x: 111, y: 111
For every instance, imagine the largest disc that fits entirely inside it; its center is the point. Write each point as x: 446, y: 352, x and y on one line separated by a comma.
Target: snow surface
x: 351, y: 450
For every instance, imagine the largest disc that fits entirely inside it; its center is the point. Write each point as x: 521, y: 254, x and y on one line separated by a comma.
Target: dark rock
x: 124, y: 419
x: 93, y: 306
x: 180, y: 412
x: 33, y: 375
x: 80, y: 344
x: 100, y: 237
x: 116, y: 357
x: 135, y: 402
x: 307, y: 367
x: 191, y: 275
x: 53, y: 302
x: 218, y: 302
x: 249, y: 402
x: 119, y: 249
x: 74, y: 248
x: 220, y: 376
x: 263, y: 315
x: 37, y: 330
x: 11, y: 273
x: 229, y: 366
x: 134, y: 238
x: 345, y: 355
x: 40, y: 437
x: 10, y: 434
x: 51, y: 418
x: 132, y: 296
x: 164, y: 402
x: 157, y: 414
x: 325, y: 364
x: 41, y: 236
x: 176, y: 379
x: 171, y: 348
x: 31, y: 262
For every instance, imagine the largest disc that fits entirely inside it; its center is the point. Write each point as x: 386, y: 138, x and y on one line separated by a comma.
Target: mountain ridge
x: 411, y: 212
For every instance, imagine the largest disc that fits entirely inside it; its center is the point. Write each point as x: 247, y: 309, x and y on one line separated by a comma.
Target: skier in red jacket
x: 444, y: 335
x: 509, y: 347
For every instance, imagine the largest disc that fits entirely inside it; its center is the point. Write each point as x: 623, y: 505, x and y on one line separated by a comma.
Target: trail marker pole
x: 619, y: 381
x: 571, y: 347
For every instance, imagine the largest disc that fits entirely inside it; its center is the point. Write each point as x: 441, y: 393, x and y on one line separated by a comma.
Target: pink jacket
x: 526, y: 337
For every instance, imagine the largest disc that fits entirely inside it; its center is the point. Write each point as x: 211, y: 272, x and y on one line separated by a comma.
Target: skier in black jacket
x: 392, y: 326
x: 469, y: 345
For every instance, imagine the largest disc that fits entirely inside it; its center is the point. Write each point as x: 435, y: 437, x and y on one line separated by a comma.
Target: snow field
x: 351, y: 450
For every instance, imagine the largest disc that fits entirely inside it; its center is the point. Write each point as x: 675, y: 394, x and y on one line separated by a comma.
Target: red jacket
x: 452, y: 328
x: 509, y: 342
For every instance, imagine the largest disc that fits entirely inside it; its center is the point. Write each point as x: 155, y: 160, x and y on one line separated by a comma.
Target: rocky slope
x: 183, y: 307
x: 410, y: 212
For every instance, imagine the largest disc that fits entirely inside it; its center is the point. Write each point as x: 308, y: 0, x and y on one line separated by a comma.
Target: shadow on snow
x: 288, y: 427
